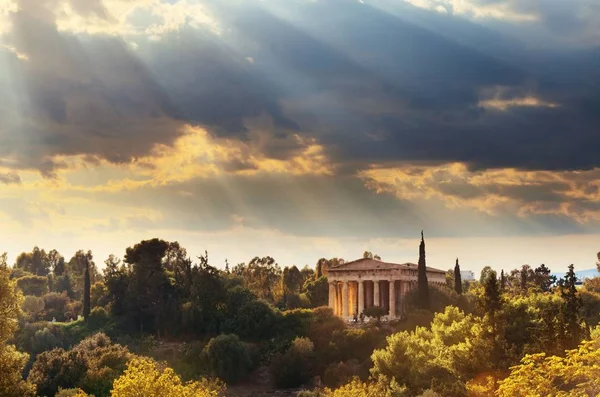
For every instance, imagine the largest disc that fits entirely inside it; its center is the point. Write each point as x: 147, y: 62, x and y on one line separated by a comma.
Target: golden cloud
x: 575, y: 194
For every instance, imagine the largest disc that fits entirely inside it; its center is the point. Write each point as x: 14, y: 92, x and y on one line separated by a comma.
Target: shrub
x: 227, y: 358
x: 55, y: 305
x: 70, y: 393
x: 33, y: 306
x: 98, y: 317
x: 255, y: 320
x: 92, y: 365
x: 338, y: 374
x: 143, y: 377
x: 322, y: 326
x: 55, y: 368
x: 375, y: 312
x: 294, y: 367
x: 44, y: 340
x: 33, y: 285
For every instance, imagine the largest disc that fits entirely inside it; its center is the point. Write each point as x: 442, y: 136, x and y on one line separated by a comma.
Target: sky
x: 303, y: 129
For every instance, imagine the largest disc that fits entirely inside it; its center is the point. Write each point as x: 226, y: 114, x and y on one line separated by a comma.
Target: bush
x: 55, y: 306
x: 322, y: 326
x: 294, y: 367
x: 144, y: 377
x: 227, y: 358
x: 44, y: 340
x: 98, y: 318
x: 55, y: 368
x: 70, y: 393
x: 92, y: 365
x: 33, y: 306
x: 255, y: 320
x: 338, y: 374
x: 33, y: 285
x: 375, y: 312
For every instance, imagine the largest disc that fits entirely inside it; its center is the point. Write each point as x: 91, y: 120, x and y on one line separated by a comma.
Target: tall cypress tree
x: 86, y: 291
x: 502, y: 281
x: 457, y: 279
x: 422, y: 283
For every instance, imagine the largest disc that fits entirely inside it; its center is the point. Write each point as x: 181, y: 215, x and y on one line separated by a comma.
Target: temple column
x: 345, y: 299
x: 332, y: 296
x: 361, y: 296
x: 376, y: 293
x: 392, y: 299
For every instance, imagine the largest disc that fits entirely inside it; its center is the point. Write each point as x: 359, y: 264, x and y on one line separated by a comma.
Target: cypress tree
x: 86, y: 291
x: 422, y: 283
x: 457, y: 279
x: 502, y: 281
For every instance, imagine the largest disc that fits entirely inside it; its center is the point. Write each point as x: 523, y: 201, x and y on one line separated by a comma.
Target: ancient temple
x: 356, y: 285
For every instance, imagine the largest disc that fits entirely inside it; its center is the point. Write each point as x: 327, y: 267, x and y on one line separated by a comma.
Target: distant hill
x: 581, y: 275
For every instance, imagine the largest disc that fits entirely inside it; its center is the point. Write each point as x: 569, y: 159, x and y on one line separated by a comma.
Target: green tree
x: 294, y: 367
x: 317, y: 291
x: 543, y: 278
x: 149, y: 285
x: 33, y: 285
x: 457, y: 279
x: 571, y: 308
x: 375, y: 312
x: 33, y: 305
x: 422, y: 284
x: 485, y: 273
x: 35, y: 262
x: 502, y: 281
x: 116, y: 280
x: 227, y: 358
x: 12, y: 362
x: 492, y: 300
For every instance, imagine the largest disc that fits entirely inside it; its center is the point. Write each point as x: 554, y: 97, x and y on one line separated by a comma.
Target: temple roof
x: 374, y: 264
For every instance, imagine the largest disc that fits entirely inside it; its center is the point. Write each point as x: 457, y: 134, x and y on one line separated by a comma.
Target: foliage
x: 91, y: 365
x: 294, y: 367
x: 12, y: 362
x: 144, y: 377
x: 98, y: 317
x: 55, y: 306
x: 227, y: 358
x: 33, y: 285
x: 576, y: 374
x: 441, y: 359
x: 375, y: 312
x: 33, y: 306
x: 379, y: 388
x: 255, y: 320
x: 71, y: 393
x: 317, y: 291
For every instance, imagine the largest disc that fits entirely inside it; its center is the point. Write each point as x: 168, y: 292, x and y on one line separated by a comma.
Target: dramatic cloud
x: 322, y: 119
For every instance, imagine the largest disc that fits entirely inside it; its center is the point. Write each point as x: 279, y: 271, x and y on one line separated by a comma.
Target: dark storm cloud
x: 77, y: 96
x: 370, y: 86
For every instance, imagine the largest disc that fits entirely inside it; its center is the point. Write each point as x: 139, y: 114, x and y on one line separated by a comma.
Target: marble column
x: 369, y: 293
x: 332, y: 296
x: 361, y: 296
x: 345, y: 299
x: 376, y: 293
x: 392, y: 299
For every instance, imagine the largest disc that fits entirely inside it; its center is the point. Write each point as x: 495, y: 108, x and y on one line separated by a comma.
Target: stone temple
x: 356, y: 285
